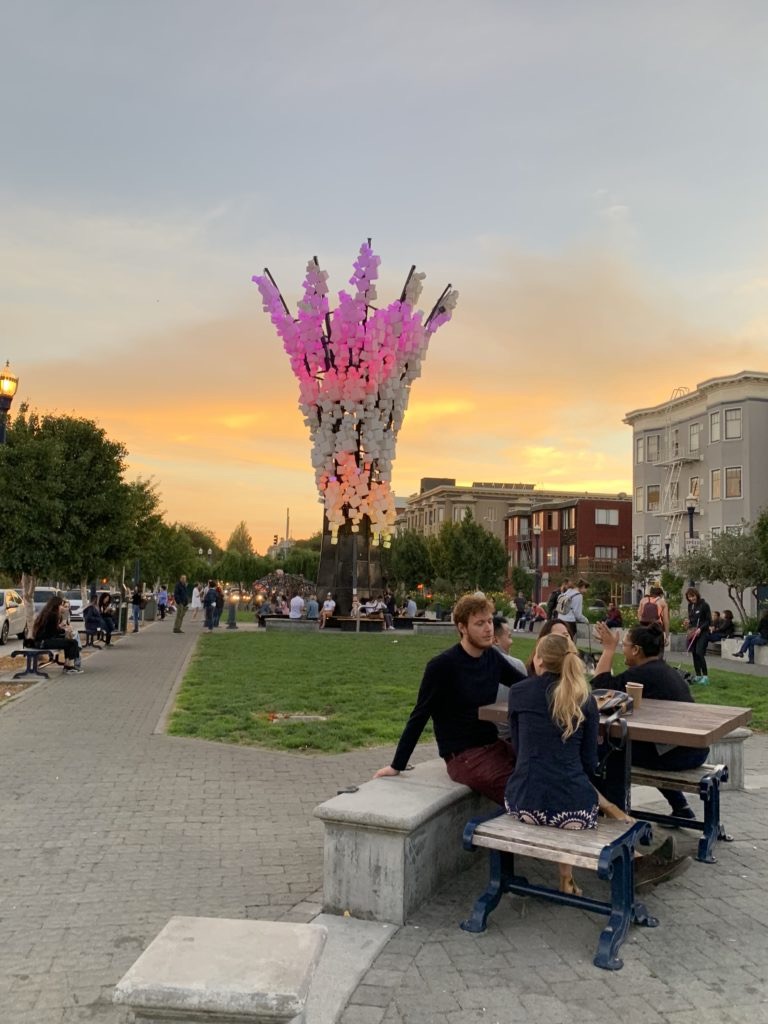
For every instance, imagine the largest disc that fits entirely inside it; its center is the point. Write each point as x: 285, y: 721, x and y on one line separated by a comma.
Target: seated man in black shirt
x: 643, y: 647
x: 455, y: 685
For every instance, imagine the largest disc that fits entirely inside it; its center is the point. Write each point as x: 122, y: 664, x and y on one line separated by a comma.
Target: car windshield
x: 73, y: 595
x: 2, y: 599
x: 43, y: 595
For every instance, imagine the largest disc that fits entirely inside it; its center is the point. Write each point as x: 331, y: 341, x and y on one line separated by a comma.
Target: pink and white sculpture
x: 355, y: 366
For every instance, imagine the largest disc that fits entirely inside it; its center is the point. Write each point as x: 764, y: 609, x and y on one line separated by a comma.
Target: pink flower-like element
x: 355, y: 366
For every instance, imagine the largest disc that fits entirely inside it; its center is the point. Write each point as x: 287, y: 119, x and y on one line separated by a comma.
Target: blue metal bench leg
x: 502, y: 868
x: 624, y: 908
x: 709, y: 791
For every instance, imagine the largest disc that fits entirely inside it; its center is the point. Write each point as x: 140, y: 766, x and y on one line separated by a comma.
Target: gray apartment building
x: 700, y: 464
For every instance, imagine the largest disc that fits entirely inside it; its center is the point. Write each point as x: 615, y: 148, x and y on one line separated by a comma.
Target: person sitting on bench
x: 49, y: 635
x: 643, y: 648
x: 455, y: 685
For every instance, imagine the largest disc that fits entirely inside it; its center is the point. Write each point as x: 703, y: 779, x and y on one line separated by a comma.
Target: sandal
x: 568, y: 885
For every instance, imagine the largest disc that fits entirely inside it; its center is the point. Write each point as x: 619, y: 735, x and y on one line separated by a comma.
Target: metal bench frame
x: 33, y: 655
x: 705, y: 781
x: 615, y: 864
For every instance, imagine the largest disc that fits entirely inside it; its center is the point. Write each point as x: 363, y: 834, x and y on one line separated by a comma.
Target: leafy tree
x: 521, y: 579
x: 673, y: 584
x: 314, y: 543
x: 735, y: 559
x: 408, y: 560
x: 469, y: 556
x: 64, y: 504
x: 647, y: 567
x: 240, y: 540
x: 302, y: 561
x: 203, y: 539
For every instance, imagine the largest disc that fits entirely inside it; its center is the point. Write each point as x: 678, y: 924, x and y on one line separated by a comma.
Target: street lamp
x: 210, y: 552
x: 537, y: 575
x: 8, y: 385
x: 691, y: 502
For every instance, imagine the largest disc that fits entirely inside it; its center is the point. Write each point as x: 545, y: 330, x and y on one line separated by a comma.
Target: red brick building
x: 572, y: 537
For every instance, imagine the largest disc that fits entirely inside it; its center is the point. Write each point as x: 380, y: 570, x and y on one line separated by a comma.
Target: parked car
x: 75, y: 600
x: 12, y: 616
x: 42, y: 596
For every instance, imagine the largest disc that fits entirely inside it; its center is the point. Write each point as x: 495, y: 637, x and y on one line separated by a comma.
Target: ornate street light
x: 8, y: 385
x: 537, y: 575
x: 690, y: 503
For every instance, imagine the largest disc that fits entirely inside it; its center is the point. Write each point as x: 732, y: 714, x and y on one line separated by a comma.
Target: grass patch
x: 364, y: 686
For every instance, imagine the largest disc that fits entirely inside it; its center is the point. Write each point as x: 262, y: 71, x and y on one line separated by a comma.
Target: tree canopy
x: 736, y: 559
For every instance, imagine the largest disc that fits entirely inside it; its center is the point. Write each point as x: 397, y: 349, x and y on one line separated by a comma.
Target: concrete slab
x: 350, y: 949
x: 202, y: 968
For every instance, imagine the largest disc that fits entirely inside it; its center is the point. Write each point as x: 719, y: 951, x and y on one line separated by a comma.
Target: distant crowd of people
x: 382, y: 605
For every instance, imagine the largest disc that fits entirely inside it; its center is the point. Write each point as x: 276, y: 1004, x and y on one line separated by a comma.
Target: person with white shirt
x: 329, y: 607
x: 297, y: 607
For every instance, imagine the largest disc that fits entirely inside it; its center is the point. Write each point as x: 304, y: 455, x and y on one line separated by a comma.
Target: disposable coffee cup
x: 635, y: 691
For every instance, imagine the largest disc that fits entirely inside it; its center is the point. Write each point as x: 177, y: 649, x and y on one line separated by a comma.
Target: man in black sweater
x: 181, y: 599
x: 455, y: 685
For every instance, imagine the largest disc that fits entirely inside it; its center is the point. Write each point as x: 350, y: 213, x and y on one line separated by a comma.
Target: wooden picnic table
x: 656, y: 721
x: 666, y: 721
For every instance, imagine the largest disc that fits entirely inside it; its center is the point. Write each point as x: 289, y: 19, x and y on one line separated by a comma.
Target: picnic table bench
x: 608, y: 850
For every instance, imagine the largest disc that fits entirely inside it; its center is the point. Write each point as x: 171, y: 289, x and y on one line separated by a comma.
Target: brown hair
x: 696, y: 594
x: 471, y: 604
x: 560, y: 657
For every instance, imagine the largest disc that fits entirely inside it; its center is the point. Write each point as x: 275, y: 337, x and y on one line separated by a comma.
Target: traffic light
x: 275, y: 540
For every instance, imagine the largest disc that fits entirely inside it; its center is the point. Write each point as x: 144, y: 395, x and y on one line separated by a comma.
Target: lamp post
x: 667, y: 542
x: 537, y: 570
x: 8, y: 385
x: 691, y: 502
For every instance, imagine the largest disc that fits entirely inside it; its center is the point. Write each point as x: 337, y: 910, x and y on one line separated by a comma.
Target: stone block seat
x: 228, y: 971
x: 394, y: 841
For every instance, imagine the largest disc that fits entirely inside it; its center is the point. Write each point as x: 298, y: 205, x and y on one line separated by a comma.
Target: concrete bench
x: 281, y: 622
x: 211, y: 969
x: 390, y: 845
x: 730, y: 647
x: 431, y: 627
x: 608, y: 850
x: 704, y: 780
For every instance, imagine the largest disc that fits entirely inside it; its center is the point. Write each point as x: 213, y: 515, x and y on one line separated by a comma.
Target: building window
x: 639, y: 506
x: 714, y: 485
x: 458, y: 513
x: 733, y: 482
x: 551, y: 556
x: 733, y: 529
x: 653, y: 498
x: 550, y: 522
x: 640, y: 450
x: 568, y: 552
x: 694, y: 486
x: 675, y: 443
x: 608, y: 554
x: 715, y: 532
x: 732, y: 424
x: 674, y: 494
x: 606, y: 517
x: 714, y: 427
x: 694, y: 430
x: 440, y: 514
x: 639, y: 546
x: 568, y: 518
x: 652, y: 448
x: 654, y: 545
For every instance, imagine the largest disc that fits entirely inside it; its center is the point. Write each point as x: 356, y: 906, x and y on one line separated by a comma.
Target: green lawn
x: 363, y: 686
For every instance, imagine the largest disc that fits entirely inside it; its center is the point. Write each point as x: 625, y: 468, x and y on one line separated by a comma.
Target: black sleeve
x: 608, y: 681
x: 419, y: 717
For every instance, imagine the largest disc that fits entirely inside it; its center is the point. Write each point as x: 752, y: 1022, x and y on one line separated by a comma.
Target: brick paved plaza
x: 109, y: 828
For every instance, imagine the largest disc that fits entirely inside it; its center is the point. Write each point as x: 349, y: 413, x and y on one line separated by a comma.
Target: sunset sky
x: 591, y: 176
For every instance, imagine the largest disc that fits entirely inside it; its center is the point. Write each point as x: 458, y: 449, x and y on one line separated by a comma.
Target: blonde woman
x: 554, y: 725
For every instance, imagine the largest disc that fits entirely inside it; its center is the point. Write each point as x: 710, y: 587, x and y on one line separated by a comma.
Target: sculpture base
x: 337, y: 566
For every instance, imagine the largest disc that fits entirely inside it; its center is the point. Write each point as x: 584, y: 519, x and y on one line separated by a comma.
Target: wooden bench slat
x: 581, y: 848
x: 685, y: 780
